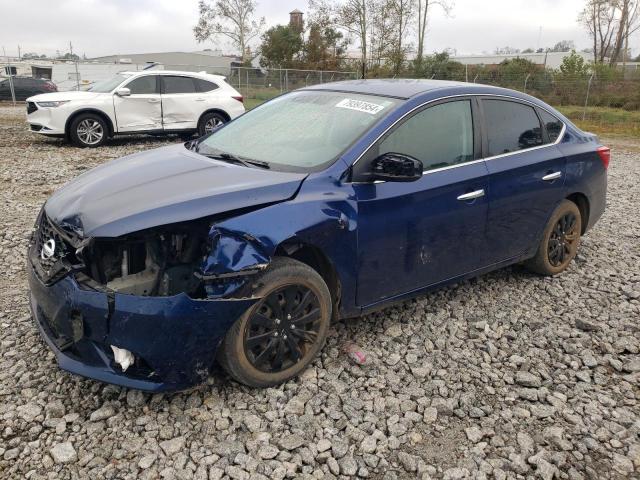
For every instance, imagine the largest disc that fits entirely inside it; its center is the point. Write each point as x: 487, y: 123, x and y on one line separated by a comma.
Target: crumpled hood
x: 162, y: 186
x: 64, y: 96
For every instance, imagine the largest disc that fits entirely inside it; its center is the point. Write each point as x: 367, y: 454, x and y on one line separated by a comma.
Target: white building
x: 211, y: 61
x: 548, y: 59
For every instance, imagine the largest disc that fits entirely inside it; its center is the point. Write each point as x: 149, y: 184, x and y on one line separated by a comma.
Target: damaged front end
x: 146, y: 310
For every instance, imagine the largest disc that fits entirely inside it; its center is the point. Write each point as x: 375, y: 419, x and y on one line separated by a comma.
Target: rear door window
x: 510, y: 126
x: 439, y: 136
x: 143, y: 85
x: 177, y: 84
x: 552, y: 124
x: 204, y: 85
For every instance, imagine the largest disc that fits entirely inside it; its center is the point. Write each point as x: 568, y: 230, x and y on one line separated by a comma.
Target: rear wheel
x: 88, y: 130
x: 560, y: 241
x: 282, y: 333
x: 209, y: 122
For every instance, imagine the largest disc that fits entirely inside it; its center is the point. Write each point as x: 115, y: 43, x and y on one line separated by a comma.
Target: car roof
x: 175, y: 72
x: 406, y: 88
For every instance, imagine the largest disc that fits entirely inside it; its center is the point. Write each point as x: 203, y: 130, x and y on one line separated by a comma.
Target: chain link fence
x: 260, y: 84
x: 612, y: 99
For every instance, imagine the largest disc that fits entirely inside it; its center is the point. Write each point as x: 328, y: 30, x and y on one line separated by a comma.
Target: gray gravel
x: 506, y: 376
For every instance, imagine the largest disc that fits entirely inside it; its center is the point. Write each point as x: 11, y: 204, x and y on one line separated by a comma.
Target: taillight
x: 605, y: 155
x: 240, y: 98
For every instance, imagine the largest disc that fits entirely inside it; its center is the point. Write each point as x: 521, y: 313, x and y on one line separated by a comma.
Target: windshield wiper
x: 228, y: 157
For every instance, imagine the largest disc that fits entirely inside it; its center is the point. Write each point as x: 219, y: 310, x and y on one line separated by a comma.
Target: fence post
x: 13, y: 92
x: 586, y: 100
x: 286, y: 79
x: 466, y: 72
x: 525, y: 82
x: 320, y: 76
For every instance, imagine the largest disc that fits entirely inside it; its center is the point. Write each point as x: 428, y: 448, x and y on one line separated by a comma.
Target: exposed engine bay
x: 195, y: 258
x: 158, y: 263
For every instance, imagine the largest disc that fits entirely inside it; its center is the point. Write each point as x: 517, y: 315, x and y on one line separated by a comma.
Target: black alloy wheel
x: 563, y: 237
x: 560, y: 240
x: 282, y: 328
x: 281, y: 334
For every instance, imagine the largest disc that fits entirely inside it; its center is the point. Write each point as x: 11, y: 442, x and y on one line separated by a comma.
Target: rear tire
x: 277, y: 338
x: 560, y: 241
x: 209, y: 122
x: 88, y: 130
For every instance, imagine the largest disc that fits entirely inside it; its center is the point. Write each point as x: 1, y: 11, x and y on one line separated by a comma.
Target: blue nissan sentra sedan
x: 241, y: 247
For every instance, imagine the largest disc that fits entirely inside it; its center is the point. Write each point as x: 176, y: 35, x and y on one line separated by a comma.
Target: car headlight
x: 52, y: 104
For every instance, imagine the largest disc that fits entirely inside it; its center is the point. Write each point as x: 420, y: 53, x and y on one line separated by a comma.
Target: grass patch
x: 610, y: 122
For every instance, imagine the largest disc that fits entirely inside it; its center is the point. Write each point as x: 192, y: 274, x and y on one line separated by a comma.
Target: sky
x: 107, y: 27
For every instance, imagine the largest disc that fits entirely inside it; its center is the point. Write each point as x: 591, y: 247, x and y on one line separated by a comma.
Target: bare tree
x: 233, y: 19
x: 601, y: 21
x: 423, y: 18
x: 629, y: 22
x: 402, y: 13
x: 355, y: 17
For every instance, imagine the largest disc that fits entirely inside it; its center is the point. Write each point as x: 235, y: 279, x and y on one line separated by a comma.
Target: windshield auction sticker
x: 360, y: 106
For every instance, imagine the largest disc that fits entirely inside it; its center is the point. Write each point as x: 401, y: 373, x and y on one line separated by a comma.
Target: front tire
x: 209, y: 122
x: 560, y: 241
x: 88, y: 130
x: 277, y: 338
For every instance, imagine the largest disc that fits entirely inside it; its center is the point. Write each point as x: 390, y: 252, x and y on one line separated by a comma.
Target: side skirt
x: 422, y: 290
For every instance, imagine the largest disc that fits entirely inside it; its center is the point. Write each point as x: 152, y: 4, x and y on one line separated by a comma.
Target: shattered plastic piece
x: 122, y: 357
x: 356, y: 354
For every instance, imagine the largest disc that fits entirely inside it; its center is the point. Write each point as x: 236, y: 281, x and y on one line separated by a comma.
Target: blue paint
x: 385, y: 242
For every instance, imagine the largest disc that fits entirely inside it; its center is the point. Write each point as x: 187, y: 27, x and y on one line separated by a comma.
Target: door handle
x: 154, y: 100
x: 552, y: 176
x: 471, y: 195
x: 200, y: 99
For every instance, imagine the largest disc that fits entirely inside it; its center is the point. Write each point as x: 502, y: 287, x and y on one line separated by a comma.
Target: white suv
x: 136, y: 102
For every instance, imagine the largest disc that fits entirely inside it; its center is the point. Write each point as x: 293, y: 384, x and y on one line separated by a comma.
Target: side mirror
x: 396, y: 167
x: 123, y: 92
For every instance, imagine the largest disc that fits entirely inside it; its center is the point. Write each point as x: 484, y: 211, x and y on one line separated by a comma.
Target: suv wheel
x: 282, y: 333
x: 88, y: 130
x: 209, y: 122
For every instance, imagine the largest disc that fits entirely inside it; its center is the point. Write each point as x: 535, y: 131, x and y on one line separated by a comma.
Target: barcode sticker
x: 360, y: 106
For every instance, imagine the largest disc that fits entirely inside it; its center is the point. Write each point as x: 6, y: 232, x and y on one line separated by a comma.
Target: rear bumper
x: 174, y: 339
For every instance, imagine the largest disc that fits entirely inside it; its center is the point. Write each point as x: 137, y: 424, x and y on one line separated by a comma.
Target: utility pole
x: 539, y: 38
x: 76, y: 62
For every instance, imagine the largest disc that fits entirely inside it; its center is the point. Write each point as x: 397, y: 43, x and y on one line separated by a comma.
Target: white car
x: 136, y: 102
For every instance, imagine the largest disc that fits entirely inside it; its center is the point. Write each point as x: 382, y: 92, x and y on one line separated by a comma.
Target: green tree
x: 440, y: 66
x: 573, y: 65
x: 324, y: 47
x: 281, y: 47
x: 564, y: 46
x: 68, y: 56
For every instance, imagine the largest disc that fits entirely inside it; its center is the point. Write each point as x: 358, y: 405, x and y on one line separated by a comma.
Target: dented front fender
x: 322, y: 215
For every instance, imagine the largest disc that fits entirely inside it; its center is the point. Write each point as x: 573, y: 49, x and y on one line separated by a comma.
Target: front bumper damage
x: 174, y: 339
x: 172, y: 333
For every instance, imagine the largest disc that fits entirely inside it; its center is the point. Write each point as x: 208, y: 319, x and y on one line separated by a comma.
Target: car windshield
x: 106, y: 86
x: 302, y: 131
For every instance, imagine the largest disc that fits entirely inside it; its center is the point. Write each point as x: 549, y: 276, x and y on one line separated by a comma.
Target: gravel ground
x: 506, y: 376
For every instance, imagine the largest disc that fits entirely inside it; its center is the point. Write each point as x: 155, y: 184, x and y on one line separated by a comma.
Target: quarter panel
x: 586, y: 174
